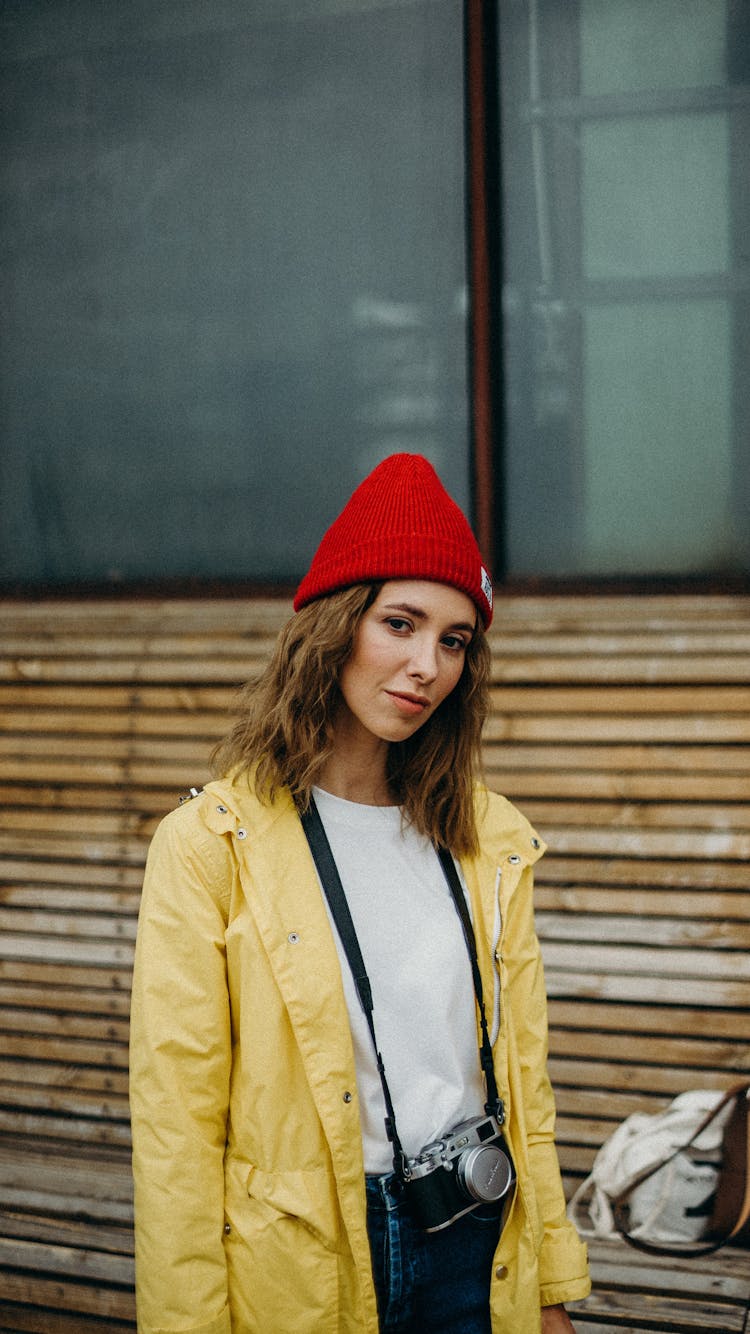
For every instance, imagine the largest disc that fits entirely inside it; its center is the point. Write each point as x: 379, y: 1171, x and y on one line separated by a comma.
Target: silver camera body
x: 470, y: 1166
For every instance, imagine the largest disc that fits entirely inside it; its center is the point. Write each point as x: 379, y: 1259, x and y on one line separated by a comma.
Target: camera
x: 470, y: 1166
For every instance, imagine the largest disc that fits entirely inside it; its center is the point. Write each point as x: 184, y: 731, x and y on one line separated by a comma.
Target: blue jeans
x: 430, y: 1282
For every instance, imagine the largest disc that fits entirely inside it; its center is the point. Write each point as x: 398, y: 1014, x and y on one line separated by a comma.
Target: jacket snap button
x: 535, y: 843
x: 514, y: 858
x: 222, y: 810
x: 501, y: 1271
x: 347, y: 1097
x: 227, y: 1229
x: 293, y: 937
x: 242, y: 833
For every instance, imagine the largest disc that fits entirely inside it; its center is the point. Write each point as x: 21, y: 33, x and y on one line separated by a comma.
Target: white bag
x: 673, y: 1204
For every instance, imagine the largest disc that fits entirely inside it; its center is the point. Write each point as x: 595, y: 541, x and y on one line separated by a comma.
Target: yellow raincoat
x: 250, y: 1202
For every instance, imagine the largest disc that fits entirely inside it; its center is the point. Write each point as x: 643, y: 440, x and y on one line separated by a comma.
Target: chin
x: 404, y: 731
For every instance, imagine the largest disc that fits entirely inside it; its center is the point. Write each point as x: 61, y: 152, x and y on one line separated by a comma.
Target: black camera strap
x: 337, y: 901
x: 494, y: 1104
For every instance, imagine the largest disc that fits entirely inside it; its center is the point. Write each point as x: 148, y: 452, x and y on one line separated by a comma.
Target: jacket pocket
x: 307, y: 1195
x: 283, y: 1242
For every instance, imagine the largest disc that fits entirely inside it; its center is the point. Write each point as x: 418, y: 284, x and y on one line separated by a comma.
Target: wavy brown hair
x: 285, y: 729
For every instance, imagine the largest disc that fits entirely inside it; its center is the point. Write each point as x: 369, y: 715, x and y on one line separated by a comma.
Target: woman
x: 280, y: 1179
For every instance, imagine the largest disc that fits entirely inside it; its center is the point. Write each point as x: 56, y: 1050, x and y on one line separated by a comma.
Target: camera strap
x: 337, y: 901
x: 494, y: 1104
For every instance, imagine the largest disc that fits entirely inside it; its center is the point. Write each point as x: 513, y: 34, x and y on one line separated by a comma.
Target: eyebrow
x: 420, y: 615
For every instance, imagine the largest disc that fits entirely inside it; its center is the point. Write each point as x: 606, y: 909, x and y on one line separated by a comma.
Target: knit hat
x: 400, y: 523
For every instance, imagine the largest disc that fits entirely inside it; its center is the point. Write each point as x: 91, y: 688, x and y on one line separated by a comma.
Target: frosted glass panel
x: 658, y: 463
x: 626, y: 136
x: 232, y: 256
x: 655, y: 196
x: 632, y: 44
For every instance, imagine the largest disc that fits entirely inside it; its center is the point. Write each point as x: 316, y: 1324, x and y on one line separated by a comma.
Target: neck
x: 356, y: 769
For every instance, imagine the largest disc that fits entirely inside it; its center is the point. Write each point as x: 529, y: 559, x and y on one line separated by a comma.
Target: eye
x: 399, y: 624
x: 456, y: 643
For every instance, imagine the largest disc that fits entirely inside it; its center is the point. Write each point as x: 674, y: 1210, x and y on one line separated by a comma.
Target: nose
x: 423, y: 664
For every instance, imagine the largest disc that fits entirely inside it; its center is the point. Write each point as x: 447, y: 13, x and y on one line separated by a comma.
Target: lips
x: 409, y: 705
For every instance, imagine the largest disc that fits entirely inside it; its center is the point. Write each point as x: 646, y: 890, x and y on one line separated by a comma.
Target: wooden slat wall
x: 621, y: 726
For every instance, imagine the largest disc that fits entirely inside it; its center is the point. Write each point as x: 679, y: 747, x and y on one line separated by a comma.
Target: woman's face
x: 408, y: 655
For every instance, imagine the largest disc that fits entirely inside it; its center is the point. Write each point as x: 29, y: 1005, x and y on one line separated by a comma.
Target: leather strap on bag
x: 731, y: 1212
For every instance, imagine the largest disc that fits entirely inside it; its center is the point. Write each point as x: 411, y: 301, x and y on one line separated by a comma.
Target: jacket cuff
x: 574, y: 1290
x: 563, y: 1267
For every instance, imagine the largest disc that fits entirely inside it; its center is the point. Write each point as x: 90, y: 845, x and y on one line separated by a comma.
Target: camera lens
x: 485, y: 1173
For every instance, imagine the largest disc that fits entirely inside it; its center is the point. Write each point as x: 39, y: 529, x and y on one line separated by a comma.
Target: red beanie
x: 400, y: 523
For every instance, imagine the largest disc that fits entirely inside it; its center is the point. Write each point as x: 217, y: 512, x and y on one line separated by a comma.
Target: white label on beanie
x: 487, y: 587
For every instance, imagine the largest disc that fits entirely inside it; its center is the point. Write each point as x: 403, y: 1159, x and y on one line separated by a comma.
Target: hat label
x: 487, y: 587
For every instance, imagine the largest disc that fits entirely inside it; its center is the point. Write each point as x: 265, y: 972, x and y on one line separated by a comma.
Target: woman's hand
x: 555, y: 1320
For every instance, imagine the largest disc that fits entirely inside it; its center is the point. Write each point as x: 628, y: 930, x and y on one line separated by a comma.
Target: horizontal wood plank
x: 646, y: 1017
x: 32, y: 1319
x: 68, y: 1295
x: 690, y: 910
x: 72, y: 1261
x: 78, y: 1233
x: 700, y: 937
x: 63, y: 1083
x: 606, y: 986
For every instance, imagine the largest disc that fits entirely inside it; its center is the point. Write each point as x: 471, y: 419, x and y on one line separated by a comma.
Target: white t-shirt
x: 416, y: 959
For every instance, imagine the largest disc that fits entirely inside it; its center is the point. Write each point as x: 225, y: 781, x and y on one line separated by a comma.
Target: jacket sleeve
x: 180, y: 1058
x: 563, y: 1266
